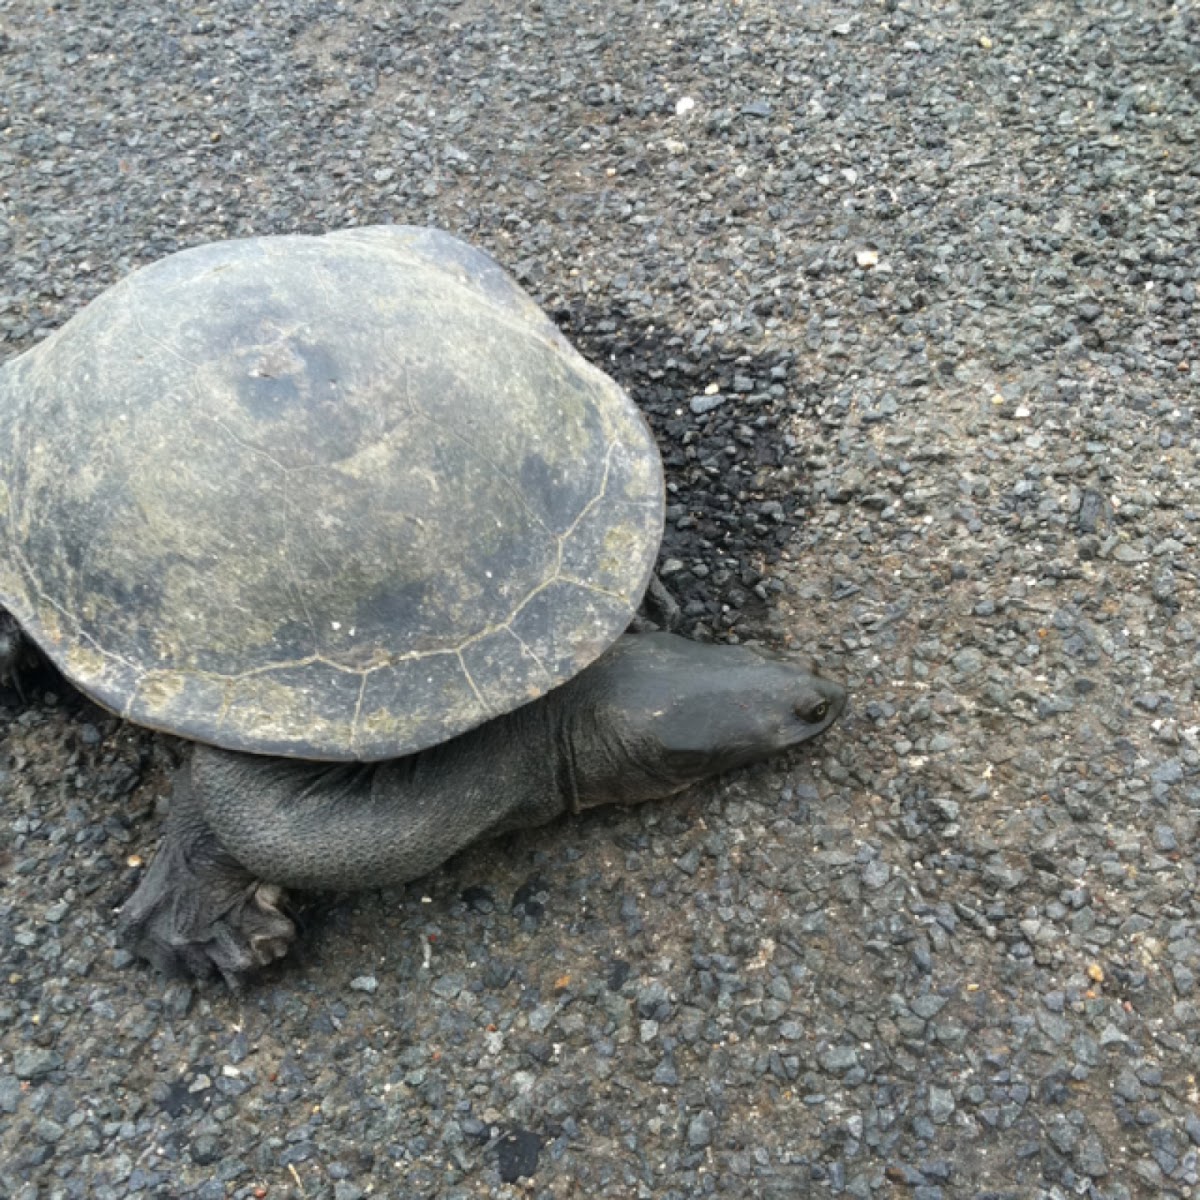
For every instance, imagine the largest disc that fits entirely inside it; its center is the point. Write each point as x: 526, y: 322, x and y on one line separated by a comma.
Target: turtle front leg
x: 198, y: 912
x: 659, y: 610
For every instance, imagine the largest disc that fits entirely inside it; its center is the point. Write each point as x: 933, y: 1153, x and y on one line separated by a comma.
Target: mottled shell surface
x: 335, y: 497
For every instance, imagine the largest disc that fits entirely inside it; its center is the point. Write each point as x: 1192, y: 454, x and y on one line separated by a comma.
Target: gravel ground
x: 908, y: 292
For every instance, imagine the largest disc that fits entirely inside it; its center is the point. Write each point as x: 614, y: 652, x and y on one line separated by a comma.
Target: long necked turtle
x: 351, y: 514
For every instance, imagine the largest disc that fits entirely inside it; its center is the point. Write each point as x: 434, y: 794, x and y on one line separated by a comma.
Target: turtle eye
x: 815, y: 714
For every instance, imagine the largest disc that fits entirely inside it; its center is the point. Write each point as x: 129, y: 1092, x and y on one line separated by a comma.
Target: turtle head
x: 659, y: 713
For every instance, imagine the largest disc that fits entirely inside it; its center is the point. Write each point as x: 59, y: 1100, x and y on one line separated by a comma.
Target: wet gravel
x: 908, y: 293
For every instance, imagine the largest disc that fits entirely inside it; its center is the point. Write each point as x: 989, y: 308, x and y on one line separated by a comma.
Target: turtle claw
x: 193, y: 930
x: 199, y: 914
x: 273, y: 937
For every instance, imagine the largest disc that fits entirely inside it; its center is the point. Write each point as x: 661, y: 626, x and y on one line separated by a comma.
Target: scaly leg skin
x: 199, y: 913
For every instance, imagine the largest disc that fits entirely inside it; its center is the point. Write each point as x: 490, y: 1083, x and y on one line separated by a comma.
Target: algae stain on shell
x: 621, y: 543
x: 161, y: 688
x: 81, y: 661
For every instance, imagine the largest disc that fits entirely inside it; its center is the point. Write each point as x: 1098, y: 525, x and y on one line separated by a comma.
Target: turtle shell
x: 336, y: 497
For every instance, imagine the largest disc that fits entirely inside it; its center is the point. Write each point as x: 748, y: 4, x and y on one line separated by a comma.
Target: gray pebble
x: 941, y: 1104
x: 700, y: 1130
x: 32, y: 1062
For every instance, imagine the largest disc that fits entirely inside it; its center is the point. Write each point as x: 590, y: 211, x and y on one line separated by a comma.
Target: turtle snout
x: 819, y: 704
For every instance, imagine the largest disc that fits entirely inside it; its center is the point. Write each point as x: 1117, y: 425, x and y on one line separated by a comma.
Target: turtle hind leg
x: 198, y: 912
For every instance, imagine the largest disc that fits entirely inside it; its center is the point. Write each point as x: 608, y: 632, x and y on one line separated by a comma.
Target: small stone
x: 1094, y: 511
x: 846, y: 486
x: 364, y: 983
x: 178, y: 997
x: 927, y: 1006
x: 48, y: 1132
x: 1191, y: 1124
x: 1090, y: 1157
x: 205, y: 1149
x: 517, y: 1155
x: 1168, y: 773
x: 968, y: 661
x: 941, y: 1105
x: 700, y: 1130
x: 665, y: 1074
x: 1148, y: 1171
x: 838, y: 1059
x: 876, y: 873
x: 653, y: 1002
x: 1063, y: 1134
x: 704, y: 404
x: 447, y: 987
x: 948, y: 809
x: 1163, y: 586
x: 32, y: 1062
x: 1000, y: 875
x: 1165, y: 839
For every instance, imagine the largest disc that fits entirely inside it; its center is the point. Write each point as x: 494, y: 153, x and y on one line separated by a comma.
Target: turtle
x: 349, y: 514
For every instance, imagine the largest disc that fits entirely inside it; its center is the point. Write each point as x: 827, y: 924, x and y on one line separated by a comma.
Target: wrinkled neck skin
x: 512, y: 766
x: 327, y: 826
x: 607, y: 763
x: 323, y: 826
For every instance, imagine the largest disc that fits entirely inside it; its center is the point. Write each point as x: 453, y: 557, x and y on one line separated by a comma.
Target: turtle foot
x: 199, y: 914
x: 659, y: 609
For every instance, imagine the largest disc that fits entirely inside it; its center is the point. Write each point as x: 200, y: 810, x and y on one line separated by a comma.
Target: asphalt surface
x: 908, y: 294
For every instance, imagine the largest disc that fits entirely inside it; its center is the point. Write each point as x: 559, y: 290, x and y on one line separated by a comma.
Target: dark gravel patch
x: 908, y: 293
